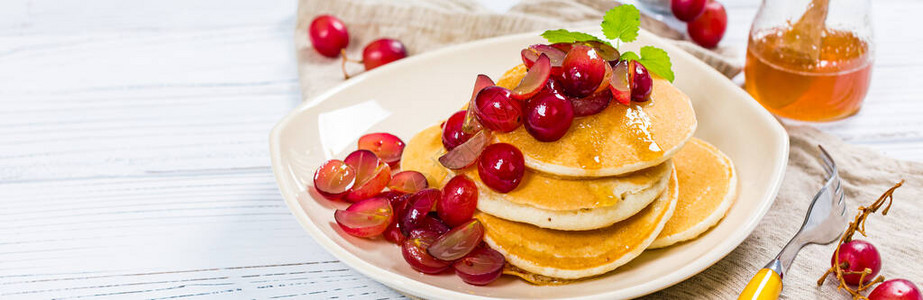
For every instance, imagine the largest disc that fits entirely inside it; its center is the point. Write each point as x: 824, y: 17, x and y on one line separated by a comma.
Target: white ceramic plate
x: 405, y: 97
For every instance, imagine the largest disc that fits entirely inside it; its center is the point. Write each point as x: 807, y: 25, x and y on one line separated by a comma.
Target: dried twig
x: 858, y: 225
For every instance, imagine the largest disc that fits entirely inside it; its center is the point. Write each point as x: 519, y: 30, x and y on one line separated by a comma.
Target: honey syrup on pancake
x: 634, y: 121
x: 589, y: 137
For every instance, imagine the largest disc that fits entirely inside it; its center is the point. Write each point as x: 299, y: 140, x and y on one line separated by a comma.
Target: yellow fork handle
x: 766, y: 285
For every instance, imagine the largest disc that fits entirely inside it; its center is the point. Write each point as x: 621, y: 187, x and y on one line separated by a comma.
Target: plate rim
x: 414, y: 287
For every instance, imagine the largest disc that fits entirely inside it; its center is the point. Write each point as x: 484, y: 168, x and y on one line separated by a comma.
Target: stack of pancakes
x: 627, y: 179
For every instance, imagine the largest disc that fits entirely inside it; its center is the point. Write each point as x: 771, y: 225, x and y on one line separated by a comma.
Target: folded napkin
x: 431, y: 24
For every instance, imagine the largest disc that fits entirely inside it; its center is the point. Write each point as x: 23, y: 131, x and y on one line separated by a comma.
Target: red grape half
x: 366, y: 218
x: 458, y: 242
x: 334, y: 178
x: 480, y: 267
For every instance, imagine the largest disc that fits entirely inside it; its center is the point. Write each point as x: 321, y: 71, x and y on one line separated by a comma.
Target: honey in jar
x: 805, y: 70
x: 796, y: 86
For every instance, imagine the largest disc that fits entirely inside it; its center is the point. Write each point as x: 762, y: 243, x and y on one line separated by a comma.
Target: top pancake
x: 618, y: 140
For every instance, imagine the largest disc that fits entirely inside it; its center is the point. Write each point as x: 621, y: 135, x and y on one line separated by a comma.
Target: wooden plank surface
x: 134, y: 159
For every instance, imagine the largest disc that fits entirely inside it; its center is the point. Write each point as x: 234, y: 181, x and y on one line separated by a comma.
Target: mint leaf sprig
x: 565, y: 36
x: 620, y: 24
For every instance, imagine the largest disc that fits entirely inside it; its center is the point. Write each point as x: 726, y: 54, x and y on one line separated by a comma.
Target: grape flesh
x: 480, y: 267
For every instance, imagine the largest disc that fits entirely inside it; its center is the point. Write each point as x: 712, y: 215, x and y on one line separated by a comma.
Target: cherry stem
x: 343, y: 64
x: 858, y: 225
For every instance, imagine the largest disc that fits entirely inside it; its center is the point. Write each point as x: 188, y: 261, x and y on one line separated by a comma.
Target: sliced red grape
x: 414, y: 251
x: 432, y: 224
x: 480, y: 267
x: 604, y: 84
x: 501, y: 167
x: 548, y: 117
x: 582, y: 71
x: 641, y: 82
x: 393, y: 196
x: 399, y: 204
x: 591, y: 105
x: 386, y: 146
x: 531, y: 54
x: 399, y: 201
x: 620, y: 83
x: 382, y: 51
x: 564, y: 47
x: 467, y: 153
x: 420, y: 204
x: 408, y: 182
x: 334, y: 178
x: 605, y: 51
x: 459, y: 200
x: 586, y: 106
x: 366, y: 218
x: 453, y: 133
x: 393, y: 233
x: 372, y: 174
x: 556, y: 56
x: 458, y: 242
x: 534, y: 79
x: 472, y: 124
x: 554, y: 86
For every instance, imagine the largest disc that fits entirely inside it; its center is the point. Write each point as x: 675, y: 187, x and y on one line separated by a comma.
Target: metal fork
x: 823, y: 224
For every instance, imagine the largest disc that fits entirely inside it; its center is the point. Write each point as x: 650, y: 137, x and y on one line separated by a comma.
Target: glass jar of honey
x: 810, y: 60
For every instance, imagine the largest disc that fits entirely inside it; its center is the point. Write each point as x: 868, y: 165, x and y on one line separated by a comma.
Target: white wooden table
x: 134, y: 156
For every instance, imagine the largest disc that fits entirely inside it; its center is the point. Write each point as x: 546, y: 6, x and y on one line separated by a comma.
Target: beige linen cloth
x: 428, y: 25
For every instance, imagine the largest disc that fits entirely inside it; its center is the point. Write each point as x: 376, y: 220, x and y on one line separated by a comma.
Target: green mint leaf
x: 628, y: 55
x: 622, y: 23
x: 565, y: 36
x: 657, y: 61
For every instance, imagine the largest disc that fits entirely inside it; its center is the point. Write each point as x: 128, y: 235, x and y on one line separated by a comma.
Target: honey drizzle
x: 591, y: 160
x: 639, y: 124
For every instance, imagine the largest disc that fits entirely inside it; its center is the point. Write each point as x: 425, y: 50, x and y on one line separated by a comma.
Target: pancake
x: 707, y: 189
x: 421, y: 154
x: 618, y: 140
x: 543, y: 200
x: 579, y: 254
